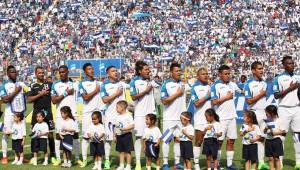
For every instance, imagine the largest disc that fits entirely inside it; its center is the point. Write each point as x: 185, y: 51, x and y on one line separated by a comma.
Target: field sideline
x: 289, y: 159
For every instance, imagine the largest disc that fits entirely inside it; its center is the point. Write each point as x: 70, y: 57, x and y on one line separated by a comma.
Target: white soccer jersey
x: 41, y: 128
x: 88, y: 86
x: 252, y: 88
x: 189, y: 130
x: 123, y: 121
x: 96, y: 129
x: 146, y: 104
x: 212, y: 133
x: 173, y: 110
x: 198, y: 92
x: 68, y: 124
x: 276, y: 125
x: 18, y: 130
x: 226, y: 110
x: 281, y: 83
x: 8, y: 88
x: 59, y: 88
x: 152, y: 134
x: 109, y: 88
x: 250, y: 135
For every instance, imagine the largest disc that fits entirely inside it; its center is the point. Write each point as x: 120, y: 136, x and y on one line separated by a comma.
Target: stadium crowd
x: 195, y: 33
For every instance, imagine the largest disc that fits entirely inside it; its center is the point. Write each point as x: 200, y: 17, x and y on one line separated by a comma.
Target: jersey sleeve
x: 275, y: 85
x: 213, y: 94
x: 103, y: 91
x: 163, y: 92
x: 23, y: 129
x: 133, y: 90
x: 3, y: 91
x: 46, y: 128
x: 53, y: 91
x: 247, y: 91
x: 194, y: 96
x: 81, y: 89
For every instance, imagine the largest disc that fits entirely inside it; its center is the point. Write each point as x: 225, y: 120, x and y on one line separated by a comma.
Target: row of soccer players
x: 220, y: 95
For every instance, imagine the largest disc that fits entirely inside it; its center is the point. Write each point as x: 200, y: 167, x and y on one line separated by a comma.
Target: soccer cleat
x: 263, y: 166
x: 165, y: 167
x: 69, y: 165
x: 57, y: 162
x: 34, y: 162
x: 120, y: 168
x: 4, y: 161
x: 127, y: 168
x: 107, y: 164
x: 83, y: 163
x: 178, y: 166
x: 138, y: 167
x: 297, y: 166
x: 95, y: 167
x: 53, y: 160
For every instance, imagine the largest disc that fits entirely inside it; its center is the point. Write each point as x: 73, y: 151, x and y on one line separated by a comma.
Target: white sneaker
x: 127, y: 168
x: 34, y: 162
x: 19, y: 163
x: 69, y: 165
x: 45, y: 163
x: 120, y: 168
x: 197, y: 167
x: 64, y: 165
x: 95, y: 167
x: 14, y: 162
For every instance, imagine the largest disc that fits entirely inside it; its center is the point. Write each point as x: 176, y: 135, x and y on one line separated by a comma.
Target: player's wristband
x: 65, y: 94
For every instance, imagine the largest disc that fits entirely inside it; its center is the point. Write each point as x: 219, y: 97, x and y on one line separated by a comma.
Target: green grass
x: 289, y: 159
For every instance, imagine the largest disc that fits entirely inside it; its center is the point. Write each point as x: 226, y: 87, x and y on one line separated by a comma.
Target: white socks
x: 57, y: 148
x: 297, y: 152
x: 4, y: 145
x: 197, y: 152
x: 165, y: 151
x: 138, y: 149
x: 219, y: 155
x: 107, y: 147
x: 84, y: 145
x: 229, y: 155
x: 177, y: 152
x: 76, y: 150
x: 261, y: 151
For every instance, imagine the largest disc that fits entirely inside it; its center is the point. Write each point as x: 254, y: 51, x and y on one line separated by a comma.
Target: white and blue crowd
x: 106, y: 119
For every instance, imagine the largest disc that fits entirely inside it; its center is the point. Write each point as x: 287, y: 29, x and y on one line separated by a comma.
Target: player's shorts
x: 8, y: 122
x: 229, y: 129
x: 139, y: 125
x: 86, y: 122
x: 290, y: 117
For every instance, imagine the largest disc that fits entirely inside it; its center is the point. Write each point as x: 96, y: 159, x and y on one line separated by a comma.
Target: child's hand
x: 177, y: 139
x: 61, y: 136
x: 156, y: 145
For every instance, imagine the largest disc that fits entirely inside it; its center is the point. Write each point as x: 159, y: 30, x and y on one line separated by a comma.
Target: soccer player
x: 141, y: 91
x: 40, y: 96
x: 222, y: 93
x: 62, y: 94
x: 112, y: 91
x: 89, y: 89
x: 255, y: 94
x: 200, y: 95
x: 173, y: 97
x: 285, y: 88
x: 10, y: 91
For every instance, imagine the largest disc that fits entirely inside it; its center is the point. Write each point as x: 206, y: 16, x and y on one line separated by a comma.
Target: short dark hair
x: 173, y: 65
x: 86, y: 65
x: 139, y: 65
x: 109, y: 67
x: 41, y: 113
x: 38, y: 67
x: 19, y: 115
x: 123, y: 103
x: 99, y: 116
x: 187, y: 115
x: 251, y: 114
x: 243, y: 76
x: 10, y: 67
x: 223, y: 67
x: 63, y: 67
x: 255, y: 64
x: 152, y: 118
x: 287, y: 57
